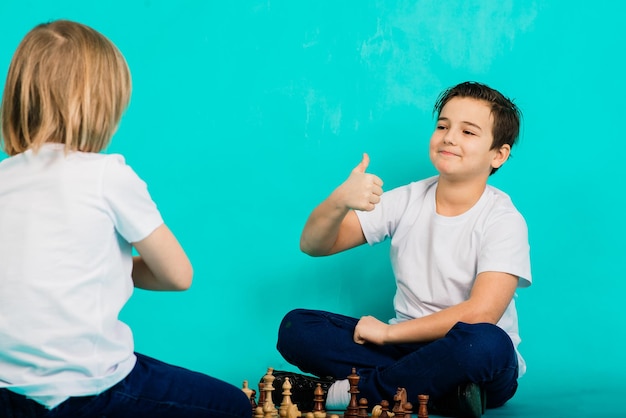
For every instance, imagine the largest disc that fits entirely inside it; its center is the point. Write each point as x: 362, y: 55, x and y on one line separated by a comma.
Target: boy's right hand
x: 333, y: 226
x: 361, y: 191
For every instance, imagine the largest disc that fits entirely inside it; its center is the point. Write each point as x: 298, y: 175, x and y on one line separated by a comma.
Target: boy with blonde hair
x: 69, y: 220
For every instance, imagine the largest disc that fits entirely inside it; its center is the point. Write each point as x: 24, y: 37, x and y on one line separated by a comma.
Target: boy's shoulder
x: 501, y: 196
x: 499, y: 204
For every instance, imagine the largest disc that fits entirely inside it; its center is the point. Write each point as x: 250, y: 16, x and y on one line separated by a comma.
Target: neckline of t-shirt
x: 449, y: 220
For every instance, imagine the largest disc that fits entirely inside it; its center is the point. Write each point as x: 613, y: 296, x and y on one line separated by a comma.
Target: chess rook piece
x: 422, y: 411
x: 261, y: 394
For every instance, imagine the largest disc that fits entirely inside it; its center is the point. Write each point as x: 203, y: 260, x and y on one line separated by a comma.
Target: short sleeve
x: 382, y: 222
x: 506, y: 248
x: 134, y: 213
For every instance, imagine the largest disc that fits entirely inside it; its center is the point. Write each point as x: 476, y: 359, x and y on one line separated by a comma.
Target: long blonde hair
x: 68, y: 84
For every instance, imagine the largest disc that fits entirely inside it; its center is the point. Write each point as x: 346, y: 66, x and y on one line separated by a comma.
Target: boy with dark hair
x: 459, y: 251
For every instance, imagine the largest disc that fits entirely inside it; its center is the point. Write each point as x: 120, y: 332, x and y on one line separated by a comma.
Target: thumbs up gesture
x: 361, y: 190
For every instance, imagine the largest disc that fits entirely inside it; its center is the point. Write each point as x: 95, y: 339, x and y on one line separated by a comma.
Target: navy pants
x: 321, y: 343
x: 153, y: 389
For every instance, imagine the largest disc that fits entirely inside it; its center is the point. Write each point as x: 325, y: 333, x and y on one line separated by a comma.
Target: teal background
x: 246, y: 114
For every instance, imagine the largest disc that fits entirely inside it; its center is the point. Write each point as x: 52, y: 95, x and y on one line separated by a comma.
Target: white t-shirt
x: 436, y: 259
x: 66, y: 224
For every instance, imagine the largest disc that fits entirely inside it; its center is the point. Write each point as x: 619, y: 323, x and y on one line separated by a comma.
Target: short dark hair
x: 506, y: 115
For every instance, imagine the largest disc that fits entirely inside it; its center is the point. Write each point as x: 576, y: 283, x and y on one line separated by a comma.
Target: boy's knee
x: 290, y: 322
x: 286, y: 331
x: 484, y: 341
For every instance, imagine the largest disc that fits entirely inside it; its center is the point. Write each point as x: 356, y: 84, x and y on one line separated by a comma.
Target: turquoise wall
x: 246, y: 114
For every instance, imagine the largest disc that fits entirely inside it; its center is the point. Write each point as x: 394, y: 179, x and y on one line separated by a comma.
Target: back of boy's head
x: 68, y: 84
x: 506, y: 115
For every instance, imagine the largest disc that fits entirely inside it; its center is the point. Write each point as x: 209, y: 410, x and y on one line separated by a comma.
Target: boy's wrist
x: 338, y: 201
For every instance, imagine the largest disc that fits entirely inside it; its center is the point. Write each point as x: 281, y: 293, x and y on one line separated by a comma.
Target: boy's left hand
x: 371, y: 330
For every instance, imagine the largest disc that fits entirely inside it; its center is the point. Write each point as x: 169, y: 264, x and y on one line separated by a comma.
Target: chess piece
x: 253, y: 400
x: 269, y: 408
x: 353, y: 407
x: 401, y: 406
x: 422, y: 412
x: 293, y: 411
x: 250, y: 394
x: 384, y: 406
x: 362, y: 408
x: 376, y: 411
x: 286, y: 403
x: 261, y: 394
x: 318, y: 402
x: 246, y: 389
x: 287, y: 408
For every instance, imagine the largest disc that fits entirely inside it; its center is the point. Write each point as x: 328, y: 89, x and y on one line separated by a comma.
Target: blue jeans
x: 321, y: 343
x: 153, y: 389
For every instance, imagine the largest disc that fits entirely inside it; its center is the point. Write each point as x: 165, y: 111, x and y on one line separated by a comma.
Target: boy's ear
x: 502, y: 154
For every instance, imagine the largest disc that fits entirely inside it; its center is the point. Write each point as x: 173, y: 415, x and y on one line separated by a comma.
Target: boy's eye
x: 441, y: 127
x: 466, y: 132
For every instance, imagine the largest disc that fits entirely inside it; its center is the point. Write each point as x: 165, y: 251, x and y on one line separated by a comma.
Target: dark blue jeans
x: 153, y: 390
x: 321, y: 343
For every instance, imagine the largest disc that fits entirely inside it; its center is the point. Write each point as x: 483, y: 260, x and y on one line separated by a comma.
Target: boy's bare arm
x: 162, y: 263
x: 333, y: 226
x: 490, y: 296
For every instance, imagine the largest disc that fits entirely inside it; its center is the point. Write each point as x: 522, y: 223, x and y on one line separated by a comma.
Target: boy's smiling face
x: 460, y: 146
